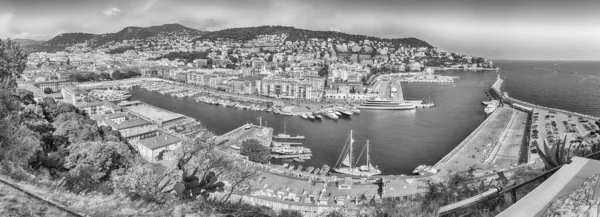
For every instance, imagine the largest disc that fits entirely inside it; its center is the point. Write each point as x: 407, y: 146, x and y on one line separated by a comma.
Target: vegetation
x: 85, y: 77
x: 255, y: 151
x: 294, y: 34
x: 120, y: 50
x: 188, y: 57
x: 117, y: 75
x: 48, y: 90
x: 56, y: 150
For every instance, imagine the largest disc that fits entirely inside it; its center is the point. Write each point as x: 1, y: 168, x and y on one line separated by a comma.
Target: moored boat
x: 385, y: 104
x: 346, y: 163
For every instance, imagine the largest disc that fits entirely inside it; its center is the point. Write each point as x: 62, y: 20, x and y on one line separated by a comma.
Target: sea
x: 402, y: 140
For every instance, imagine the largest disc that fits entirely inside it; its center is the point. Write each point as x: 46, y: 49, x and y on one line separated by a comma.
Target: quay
x: 286, y: 156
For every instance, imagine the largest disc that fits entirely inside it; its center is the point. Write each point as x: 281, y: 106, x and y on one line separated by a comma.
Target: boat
x: 319, y: 117
x: 357, y: 111
x: 346, y: 112
x: 285, y: 165
x: 424, y: 169
x: 310, y: 169
x: 331, y: 115
x: 304, y: 116
x: 300, y: 168
x: 317, y: 170
x: 284, y: 135
x: 291, y: 167
x: 491, y: 107
x: 346, y: 163
x: 298, y: 160
x: 325, y: 170
x: 385, y: 104
x: 310, y: 116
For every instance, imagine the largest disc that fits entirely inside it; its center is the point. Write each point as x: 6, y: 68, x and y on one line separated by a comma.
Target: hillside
x: 294, y: 34
x: 64, y: 40
x: 26, y: 42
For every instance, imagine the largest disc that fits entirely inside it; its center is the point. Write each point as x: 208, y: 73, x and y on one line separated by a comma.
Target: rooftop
x: 155, y: 114
x: 160, y: 141
x: 128, y: 123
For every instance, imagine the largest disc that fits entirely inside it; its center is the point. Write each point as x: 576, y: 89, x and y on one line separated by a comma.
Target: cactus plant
x: 557, y: 155
x: 191, y: 186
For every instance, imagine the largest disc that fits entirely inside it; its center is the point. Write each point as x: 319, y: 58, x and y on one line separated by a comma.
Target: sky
x: 498, y: 29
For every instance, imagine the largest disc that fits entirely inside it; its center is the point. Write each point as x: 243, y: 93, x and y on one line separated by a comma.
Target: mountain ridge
x: 64, y: 40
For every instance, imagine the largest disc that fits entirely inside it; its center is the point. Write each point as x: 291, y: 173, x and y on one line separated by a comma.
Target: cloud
x: 34, y: 36
x: 111, y: 11
x: 5, y: 20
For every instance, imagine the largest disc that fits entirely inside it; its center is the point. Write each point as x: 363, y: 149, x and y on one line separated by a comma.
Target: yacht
x: 385, y: 104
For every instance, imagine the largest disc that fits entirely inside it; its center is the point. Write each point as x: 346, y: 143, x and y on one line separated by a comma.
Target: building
x: 151, y: 148
x: 283, y: 89
x: 74, y: 95
x: 98, y: 108
x: 55, y: 85
x: 130, y: 126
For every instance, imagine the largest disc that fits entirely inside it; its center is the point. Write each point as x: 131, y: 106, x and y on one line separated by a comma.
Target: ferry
x: 348, y: 164
x: 385, y: 104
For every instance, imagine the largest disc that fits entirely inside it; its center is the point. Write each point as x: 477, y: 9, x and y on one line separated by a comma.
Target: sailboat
x: 348, y: 166
x: 284, y: 135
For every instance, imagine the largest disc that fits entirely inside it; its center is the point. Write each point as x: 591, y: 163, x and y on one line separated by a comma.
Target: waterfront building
x: 98, y: 108
x: 151, y: 148
x: 283, y: 89
x: 55, y: 85
x: 196, y: 78
x: 154, y: 114
x: 74, y: 95
x: 130, y: 126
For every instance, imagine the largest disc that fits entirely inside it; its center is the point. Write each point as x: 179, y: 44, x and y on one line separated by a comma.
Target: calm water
x: 402, y: 140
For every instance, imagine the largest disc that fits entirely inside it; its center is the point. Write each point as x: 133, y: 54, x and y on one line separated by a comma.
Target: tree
x: 255, y: 151
x: 324, y: 71
x: 103, y: 158
x: 25, y: 96
x: 117, y: 75
x: 12, y: 62
x: 47, y: 90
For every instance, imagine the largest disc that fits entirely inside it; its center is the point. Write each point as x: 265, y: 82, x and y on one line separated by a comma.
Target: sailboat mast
x: 368, y: 160
x: 350, y: 151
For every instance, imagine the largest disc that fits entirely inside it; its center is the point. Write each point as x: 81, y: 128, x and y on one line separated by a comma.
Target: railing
x: 509, y: 193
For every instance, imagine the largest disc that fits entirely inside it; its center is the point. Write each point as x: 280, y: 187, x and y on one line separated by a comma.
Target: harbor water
x: 402, y: 140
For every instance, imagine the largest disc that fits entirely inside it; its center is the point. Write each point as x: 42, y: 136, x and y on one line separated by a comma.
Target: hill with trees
x: 64, y: 40
x: 295, y: 34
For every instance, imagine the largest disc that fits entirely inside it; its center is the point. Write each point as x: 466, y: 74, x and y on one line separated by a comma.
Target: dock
x: 284, y: 156
x: 286, y: 143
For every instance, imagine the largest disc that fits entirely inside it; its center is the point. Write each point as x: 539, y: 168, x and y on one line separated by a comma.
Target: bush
x: 47, y: 90
x: 255, y: 151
